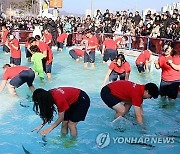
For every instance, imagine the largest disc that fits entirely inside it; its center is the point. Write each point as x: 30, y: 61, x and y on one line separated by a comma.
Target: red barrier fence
x: 133, y: 43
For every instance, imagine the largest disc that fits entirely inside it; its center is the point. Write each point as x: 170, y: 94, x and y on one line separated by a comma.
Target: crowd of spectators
x: 164, y: 25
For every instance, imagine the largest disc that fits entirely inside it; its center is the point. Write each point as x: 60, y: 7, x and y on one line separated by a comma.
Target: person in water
x: 121, y: 95
x: 72, y: 106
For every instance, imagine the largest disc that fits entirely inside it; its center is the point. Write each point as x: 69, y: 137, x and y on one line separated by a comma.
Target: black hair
x: 43, y: 104
x: 170, y: 44
x: 121, y: 57
x: 37, y: 37
x: 35, y: 48
x: 152, y: 89
x: 87, y: 31
x: 6, y: 65
x: 31, y: 40
x: 109, y: 36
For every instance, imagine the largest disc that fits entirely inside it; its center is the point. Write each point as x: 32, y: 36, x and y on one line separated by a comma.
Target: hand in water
x: 46, y: 131
x: 37, y: 129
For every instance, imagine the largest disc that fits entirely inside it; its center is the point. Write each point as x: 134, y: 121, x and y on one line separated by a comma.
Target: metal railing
x: 133, y: 42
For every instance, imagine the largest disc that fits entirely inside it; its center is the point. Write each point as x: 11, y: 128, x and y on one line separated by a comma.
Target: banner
x: 55, y: 3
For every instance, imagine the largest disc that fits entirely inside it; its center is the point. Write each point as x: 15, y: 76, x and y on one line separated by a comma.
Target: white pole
x: 91, y: 8
x: 40, y: 7
x: 32, y: 7
x: 1, y: 6
x: 10, y: 11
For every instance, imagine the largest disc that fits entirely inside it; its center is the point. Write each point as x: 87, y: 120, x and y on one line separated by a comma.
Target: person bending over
x: 72, y: 105
x: 121, y: 95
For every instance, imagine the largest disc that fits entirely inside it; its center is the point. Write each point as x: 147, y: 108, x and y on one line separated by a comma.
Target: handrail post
x: 130, y: 41
x: 148, y: 42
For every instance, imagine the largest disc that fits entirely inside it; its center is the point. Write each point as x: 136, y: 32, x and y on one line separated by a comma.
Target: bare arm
x: 146, y: 65
x: 142, y: 112
x: 138, y: 113
x: 16, y: 48
x: 39, y: 127
x: 127, y: 76
x: 45, y: 53
x: 92, y: 47
x: 54, y: 125
x: 65, y: 42
x: 106, y: 77
x: 48, y: 42
x: 3, y: 84
x: 156, y: 63
x: 174, y: 66
x: 103, y: 48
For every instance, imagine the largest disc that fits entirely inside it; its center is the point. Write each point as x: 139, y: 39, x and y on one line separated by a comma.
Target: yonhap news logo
x: 104, y: 139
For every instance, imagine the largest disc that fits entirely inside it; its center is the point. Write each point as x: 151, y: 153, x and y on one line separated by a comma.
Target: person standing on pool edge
x: 72, y: 105
x: 131, y: 94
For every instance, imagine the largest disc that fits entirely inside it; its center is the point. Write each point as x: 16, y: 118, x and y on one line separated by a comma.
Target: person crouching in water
x: 76, y: 53
x: 143, y: 60
x: 121, y: 95
x: 18, y: 75
x: 72, y: 105
x: 118, y: 68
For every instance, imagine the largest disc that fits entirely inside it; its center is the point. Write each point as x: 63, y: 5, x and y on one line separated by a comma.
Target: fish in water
x: 143, y: 144
x: 25, y: 150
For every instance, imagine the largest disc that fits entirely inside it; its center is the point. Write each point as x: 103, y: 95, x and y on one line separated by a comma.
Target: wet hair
x: 109, y: 36
x: 37, y: 37
x: 35, y: 48
x: 170, y: 44
x: 4, y: 26
x: 43, y: 104
x: 121, y: 57
x: 152, y: 89
x: 6, y: 66
x: 87, y: 31
x: 125, y: 37
x: 31, y: 40
x: 47, y: 30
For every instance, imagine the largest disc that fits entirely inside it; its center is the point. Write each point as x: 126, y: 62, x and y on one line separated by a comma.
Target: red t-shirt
x: 49, y: 57
x: 168, y: 73
x: 42, y: 46
x: 48, y: 37
x: 92, y: 42
x: 84, y: 37
x: 125, y: 67
x: 79, y: 52
x: 145, y: 55
x: 13, y: 72
x: 110, y: 44
x: 15, y: 53
x: 128, y: 91
x: 64, y: 97
x: 4, y: 35
x: 119, y: 40
x: 61, y: 38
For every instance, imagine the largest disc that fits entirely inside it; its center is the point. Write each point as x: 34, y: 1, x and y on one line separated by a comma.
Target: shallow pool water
x: 17, y: 121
